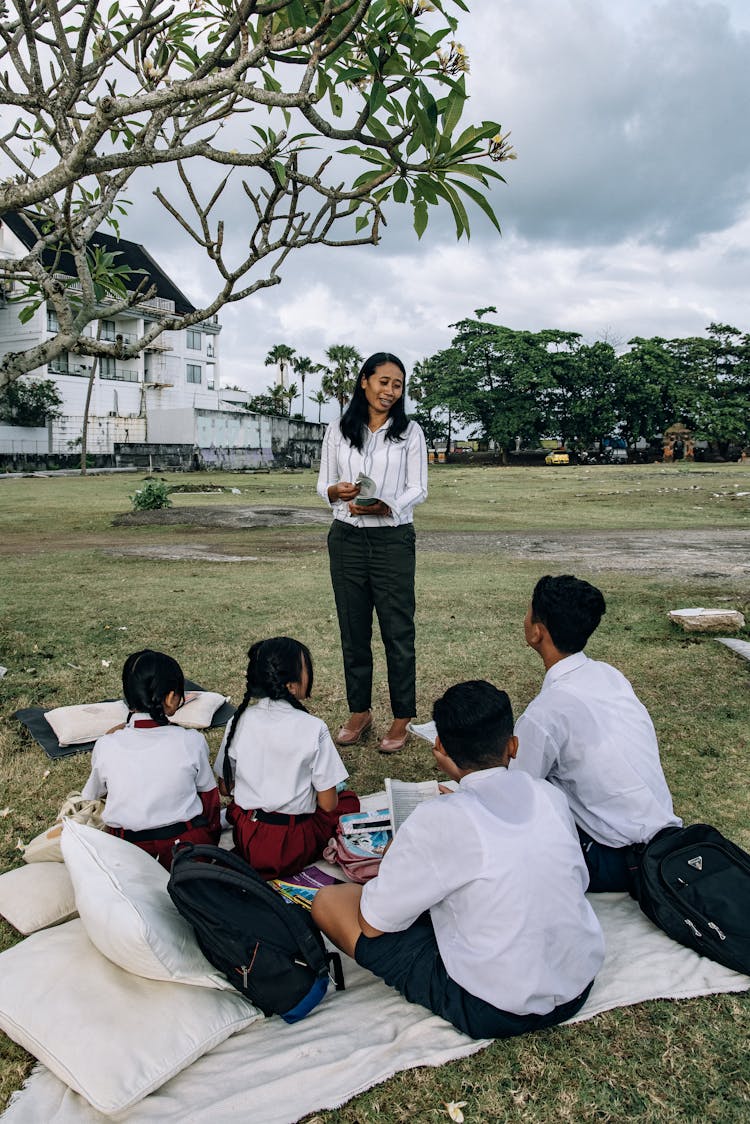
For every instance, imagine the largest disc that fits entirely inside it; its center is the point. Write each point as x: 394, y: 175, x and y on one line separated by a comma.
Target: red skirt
x: 277, y: 850
x: 208, y: 832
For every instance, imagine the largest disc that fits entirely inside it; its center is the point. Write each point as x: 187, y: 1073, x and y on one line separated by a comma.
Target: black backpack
x: 267, y: 947
x: 695, y: 885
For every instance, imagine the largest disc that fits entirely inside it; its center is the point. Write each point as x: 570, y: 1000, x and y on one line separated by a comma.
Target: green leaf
x: 337, y: 104
x: 378, y: 95
x: 361, y: 223
x: 482, y: 202
x: 400, y: 191
x: 460, y: 217
x: 280, y: 171
x: 454, y: 107
x: 420, y: 217
x: 473, y: 135
x: 27, y: 313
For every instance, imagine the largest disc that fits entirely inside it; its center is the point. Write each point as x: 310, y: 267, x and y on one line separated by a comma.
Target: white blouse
x: 281, y: 758
x: 151, y: 777
x: 399, y: 469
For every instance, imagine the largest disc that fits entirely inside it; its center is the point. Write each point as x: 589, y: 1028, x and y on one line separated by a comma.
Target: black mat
x: 32, y: 717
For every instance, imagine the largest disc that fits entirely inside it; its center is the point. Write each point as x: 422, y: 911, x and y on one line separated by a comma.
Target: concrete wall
x: 24, y: 439
x: 101, y: 436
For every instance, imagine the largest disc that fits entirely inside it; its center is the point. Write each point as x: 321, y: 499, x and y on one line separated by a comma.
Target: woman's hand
x: 344, y: 490
x: 377, y: 508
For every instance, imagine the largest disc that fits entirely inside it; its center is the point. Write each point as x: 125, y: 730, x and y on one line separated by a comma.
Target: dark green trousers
x: 373, y: 568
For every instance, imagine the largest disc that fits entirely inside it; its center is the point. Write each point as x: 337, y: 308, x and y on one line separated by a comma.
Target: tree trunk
x: 302, y: 377
x: 89, y: 389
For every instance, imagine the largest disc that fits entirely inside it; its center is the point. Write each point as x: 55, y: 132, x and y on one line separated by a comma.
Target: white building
x: 178, y: 371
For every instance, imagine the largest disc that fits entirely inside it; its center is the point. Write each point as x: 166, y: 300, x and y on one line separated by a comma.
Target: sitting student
x: 156, y: 777
x: 284, y: 766
x: 510, y: 942
x: 587, y: 733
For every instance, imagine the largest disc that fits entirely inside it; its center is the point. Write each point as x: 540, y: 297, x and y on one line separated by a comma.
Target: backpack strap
x: 225, y: 866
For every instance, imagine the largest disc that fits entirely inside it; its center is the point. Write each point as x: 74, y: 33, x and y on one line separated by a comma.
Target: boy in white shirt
x: 510, y: 943
x: 590, y: 736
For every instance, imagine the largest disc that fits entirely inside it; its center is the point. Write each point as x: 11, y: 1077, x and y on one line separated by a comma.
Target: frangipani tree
x: 328, y: 111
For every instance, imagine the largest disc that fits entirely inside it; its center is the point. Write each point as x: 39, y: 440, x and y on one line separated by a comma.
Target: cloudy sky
x: 626, y: 213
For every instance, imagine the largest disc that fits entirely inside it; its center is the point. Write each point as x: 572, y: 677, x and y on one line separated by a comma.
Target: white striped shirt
x: 399, y: 469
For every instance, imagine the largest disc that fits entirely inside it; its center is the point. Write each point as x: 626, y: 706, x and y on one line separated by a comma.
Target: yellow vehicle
x: 557, y: 456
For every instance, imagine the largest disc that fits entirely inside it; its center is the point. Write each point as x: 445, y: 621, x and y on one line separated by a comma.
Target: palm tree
x: 338, y: 381
x: 280, y: 355
x: 289, y: 395
x: 304, y: 366
x: 320, y: 398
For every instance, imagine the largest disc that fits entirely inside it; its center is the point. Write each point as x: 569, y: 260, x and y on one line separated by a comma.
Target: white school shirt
x: 399, y: 469
x: 151, y: 777
x: 499, y: 867
x: 281, y: 757
x: 589, y: 734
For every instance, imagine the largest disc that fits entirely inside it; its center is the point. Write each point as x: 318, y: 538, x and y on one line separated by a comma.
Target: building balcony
x: 119, y: 374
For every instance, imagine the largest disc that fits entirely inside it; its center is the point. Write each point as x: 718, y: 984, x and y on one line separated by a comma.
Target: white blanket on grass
x: 275, y: 1074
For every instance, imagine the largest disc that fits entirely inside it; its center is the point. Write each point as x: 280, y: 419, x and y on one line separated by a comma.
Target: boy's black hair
x: 569, y: 608
x: 271, y: 665
x: 355, y: 416
x: 147, y: 678
x: 474, y: 723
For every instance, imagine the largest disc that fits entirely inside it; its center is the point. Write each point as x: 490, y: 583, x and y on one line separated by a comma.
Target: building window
x: 108, y: 331
x: 59, y: 365
x: 107, y: 367
x: 210, y: 377
x: 53, y: 324
x: 194, y: 340
x: 193, y: 372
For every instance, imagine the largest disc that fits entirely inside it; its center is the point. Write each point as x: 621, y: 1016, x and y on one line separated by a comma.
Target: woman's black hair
x: 356, y: 415
x: 147, y: 678
x: 271, y: 665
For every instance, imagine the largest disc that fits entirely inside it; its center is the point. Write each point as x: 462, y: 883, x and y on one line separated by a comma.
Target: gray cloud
x: 629, y: 120
x: 625, y: 214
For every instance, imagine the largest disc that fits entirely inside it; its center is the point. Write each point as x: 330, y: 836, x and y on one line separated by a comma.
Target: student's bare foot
x: 357, y: 725
x: 397, y: 737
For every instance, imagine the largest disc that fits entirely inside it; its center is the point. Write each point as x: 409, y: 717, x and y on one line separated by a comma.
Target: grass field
x: 72, y: 609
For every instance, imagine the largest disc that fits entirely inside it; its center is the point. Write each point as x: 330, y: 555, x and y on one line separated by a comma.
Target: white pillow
x: 199, y: 709
x: 33, y: 897
x: 112, y: 1037
x: 121, y: 897
x: 76, y: 724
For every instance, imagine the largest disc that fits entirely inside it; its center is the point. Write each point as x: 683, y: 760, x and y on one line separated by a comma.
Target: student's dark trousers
x: 608, y: 867
x: 373, y: 567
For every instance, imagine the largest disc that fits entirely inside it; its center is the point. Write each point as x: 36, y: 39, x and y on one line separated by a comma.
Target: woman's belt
x: 169, y: 831
x: 281, y: 818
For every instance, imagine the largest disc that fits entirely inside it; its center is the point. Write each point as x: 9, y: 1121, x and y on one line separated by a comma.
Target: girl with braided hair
x: 156, y: 776
x: 280, y: 765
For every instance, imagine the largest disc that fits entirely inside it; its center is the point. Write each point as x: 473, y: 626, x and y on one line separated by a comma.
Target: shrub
x: 153, y: 495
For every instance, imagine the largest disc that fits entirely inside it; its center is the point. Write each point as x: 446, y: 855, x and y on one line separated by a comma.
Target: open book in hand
x: 404, y: 796
x: 367, y: 491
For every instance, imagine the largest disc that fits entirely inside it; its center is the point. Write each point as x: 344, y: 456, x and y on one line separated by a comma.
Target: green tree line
x: 506, y: 384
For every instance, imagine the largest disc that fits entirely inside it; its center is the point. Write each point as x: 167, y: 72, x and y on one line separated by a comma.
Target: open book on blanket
x: 301, y: 888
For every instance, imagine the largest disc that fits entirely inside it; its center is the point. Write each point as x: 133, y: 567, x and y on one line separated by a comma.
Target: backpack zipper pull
x: 244, y: 971
x: 717, y: 930
x: 696, y: 932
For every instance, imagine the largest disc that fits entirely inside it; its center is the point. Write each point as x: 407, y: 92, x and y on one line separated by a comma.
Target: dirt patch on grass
x: 225, y: 516
x: 705, y: 553
x: 181, y: 552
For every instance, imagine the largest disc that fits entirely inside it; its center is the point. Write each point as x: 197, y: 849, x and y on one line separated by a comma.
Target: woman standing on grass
x: 371, y: 543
